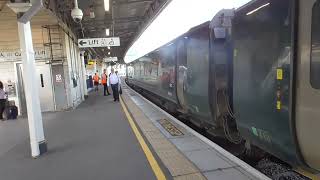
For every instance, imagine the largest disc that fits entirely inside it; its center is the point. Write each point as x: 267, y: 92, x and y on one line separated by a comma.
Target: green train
x: 251, y: 76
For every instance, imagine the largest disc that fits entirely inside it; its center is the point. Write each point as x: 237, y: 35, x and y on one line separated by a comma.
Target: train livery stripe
x: 151, y: 159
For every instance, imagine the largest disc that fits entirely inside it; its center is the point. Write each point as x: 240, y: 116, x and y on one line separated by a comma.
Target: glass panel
x: 315, y: 50
x: 167, y: 74
x: 198, y: 73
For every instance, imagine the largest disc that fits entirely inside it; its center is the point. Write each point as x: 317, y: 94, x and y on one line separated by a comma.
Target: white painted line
x: 225, y: 153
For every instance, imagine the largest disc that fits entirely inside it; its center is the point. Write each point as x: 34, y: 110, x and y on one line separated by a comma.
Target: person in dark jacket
x: 104, y: 82
x: 3, y: 99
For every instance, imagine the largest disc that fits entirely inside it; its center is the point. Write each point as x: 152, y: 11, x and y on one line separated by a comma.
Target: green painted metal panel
x: 263, y: 41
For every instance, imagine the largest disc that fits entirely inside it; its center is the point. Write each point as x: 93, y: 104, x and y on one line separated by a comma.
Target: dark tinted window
x: 315, y: 49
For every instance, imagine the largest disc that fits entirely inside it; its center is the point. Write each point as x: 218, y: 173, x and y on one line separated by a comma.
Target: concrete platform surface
x: 92, y: 142
x: 99, y: 141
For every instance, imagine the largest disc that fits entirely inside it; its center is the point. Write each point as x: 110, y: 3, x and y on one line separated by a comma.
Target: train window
x: 315, y: 47
x: 198, y: 62
x: 182, y: 60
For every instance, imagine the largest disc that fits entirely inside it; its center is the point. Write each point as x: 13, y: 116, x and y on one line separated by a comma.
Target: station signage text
x: 15, y: 55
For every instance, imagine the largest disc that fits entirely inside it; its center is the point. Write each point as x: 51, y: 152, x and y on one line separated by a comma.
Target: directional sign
x: 99, y: 42
x: 91, y: 62
x: 109, y: 59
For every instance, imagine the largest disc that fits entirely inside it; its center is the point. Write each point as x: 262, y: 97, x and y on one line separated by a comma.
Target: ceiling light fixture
x: 108, y: 32
x: 106, y: 5
x: 253, y: 11
x: 109, y: 53
x: 109, y: 47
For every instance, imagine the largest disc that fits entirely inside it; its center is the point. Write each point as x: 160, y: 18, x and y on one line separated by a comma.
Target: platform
x: 184, y: 152
x: 94, y: 141
x: 102, y: 139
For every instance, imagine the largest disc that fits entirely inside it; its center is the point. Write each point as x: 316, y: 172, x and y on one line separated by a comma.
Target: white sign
x: 111, y: 59
x: 99, y: 42
x: 15, y: 55
x: 58, y: 78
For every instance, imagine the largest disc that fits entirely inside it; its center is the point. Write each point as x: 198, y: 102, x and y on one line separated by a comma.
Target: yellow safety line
x: 307, y: 174
x: 152, y: 161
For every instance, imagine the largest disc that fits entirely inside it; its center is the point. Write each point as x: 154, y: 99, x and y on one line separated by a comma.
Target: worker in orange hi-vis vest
x: 104, y: 82
x: 96, y: 79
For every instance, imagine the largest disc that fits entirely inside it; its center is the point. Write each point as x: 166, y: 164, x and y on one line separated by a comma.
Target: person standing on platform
x: 96, y: 79
x: 119, y: 87
x: 104, y: 80
x: 114, y: 82
x: 3, y: 99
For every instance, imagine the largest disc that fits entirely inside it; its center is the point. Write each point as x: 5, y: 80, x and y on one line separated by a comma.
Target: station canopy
x: 125, y: 19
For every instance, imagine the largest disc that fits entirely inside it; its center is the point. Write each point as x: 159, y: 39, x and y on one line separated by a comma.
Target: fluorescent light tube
x: 108, y: 32
x: 106, y: 5
x: 253, y: 11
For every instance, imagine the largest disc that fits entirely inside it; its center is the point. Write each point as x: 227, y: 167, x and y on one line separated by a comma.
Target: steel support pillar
x: 95, y: 67
x: 84, y: 74
x: 31, y: 88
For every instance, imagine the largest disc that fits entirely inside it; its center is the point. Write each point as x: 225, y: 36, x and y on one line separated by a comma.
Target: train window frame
x: 314, y: 84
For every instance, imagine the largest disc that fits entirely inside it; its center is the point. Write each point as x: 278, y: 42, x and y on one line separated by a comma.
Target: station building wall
x: 63, y: 60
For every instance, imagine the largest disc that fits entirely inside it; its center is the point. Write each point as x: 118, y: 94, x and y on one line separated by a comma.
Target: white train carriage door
x: 45, y: 87
x: 308, y: 82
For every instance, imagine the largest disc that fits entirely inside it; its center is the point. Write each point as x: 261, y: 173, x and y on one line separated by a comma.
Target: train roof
x: 247, y: 7
x: 228, y: 12
x: 192, y: 30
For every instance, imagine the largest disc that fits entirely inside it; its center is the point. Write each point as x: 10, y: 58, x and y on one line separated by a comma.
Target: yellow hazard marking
x: 278, y: 105
x: 152, y: 161
x: 307, y: 174
x: 279, y: 74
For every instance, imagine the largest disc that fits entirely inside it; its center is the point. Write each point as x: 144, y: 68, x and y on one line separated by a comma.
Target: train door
x: 308, y: 82
x: 221, y: 57
x: 197, y: 88
x: 45, y: 87
x: 182, y: 69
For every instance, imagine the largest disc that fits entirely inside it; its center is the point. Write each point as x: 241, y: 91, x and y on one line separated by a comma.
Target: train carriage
x: 251, y: 76
x: 276, y: 75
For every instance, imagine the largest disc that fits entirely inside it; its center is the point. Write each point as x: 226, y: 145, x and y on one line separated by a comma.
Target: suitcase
x: 11, y: 111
